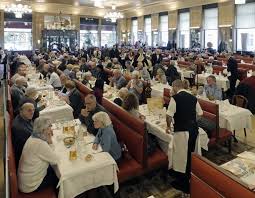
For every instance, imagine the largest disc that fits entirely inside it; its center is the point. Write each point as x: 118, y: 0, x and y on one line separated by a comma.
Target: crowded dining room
x: 127, y: 98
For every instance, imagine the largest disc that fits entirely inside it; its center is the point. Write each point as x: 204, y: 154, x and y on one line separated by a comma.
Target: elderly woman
x: 161, y: 76
x: 131, y: 105
x: 143, y: 71
x: 75, y: 70
x: 35, y: 171
x: 31, y: 96
x: 106, y: 136
x: 123, y: 92
x: 87, y: 77
x: 135, y: 85
x: 68, y: 69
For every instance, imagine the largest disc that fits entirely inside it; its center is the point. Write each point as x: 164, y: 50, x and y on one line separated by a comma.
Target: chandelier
x: 113, y: 15
x: 61, y: 23
x: 18, y: 9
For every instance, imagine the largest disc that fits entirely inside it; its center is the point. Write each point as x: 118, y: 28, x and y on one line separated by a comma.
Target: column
x: 75, y: 20
x: 226, y: 22
x: 99, y: 32
x: 37, y: 27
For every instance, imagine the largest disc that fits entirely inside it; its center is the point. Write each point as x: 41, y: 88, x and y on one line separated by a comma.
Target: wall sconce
x: 39, y: 42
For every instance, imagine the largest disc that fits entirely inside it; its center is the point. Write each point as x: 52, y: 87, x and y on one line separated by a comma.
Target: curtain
x: 184, y: 21
x: 211, y: 19
x: 245, y: 16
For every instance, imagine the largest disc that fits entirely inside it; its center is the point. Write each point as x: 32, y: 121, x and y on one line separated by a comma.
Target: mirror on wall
x: 195, y: 39
x: 225, y: 39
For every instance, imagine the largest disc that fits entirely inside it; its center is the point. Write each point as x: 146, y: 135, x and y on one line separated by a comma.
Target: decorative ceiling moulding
x: 226, y: 14
x: 169, y: 6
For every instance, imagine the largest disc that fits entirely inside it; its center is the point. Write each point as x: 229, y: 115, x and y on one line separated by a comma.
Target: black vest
x: 185, y: 115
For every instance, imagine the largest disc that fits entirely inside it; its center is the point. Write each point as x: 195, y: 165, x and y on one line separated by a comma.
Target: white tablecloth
x: 158, y: 89
x: 56, y: 109
x: 79, y: 176
x: 185, y: 73
x: 156, y: 125
x: 221, y: 81
x: 40, y: 86
x: 233, y: 117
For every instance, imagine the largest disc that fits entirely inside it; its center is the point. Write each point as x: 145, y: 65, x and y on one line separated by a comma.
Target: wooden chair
x: 240, y: 101
x: 166, y: 96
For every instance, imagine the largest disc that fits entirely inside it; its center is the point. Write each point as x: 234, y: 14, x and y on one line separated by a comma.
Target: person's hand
x: 95, y: 146
x: 168, y: 130
x: 84, y: 112
x: 142, y: 117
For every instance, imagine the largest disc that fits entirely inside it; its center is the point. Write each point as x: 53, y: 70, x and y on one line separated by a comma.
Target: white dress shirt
x: 34, y: 162
x: 172, y: 106
x: 55, y: 80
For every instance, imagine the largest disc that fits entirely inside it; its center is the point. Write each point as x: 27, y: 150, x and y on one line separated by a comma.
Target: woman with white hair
x: 106, y: 136
x: 35, y: 172
x: 87, y: 77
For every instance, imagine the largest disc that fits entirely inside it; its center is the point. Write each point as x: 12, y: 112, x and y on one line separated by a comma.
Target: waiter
x: 183, y: 109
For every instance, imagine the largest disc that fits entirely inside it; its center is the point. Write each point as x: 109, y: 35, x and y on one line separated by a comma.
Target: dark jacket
x: 156, y: 60
x: 88, y: 121
x: 172, y: 74
x: 16, y: 95
x: 76, y: 102
x: 21, y: 131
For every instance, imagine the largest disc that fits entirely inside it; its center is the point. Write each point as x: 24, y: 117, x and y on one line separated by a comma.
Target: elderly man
x: 63, y: 78
x: 118, y: 79
x: 211, y: 90
x: 143, y: 71
x: 17, y: 91
x: 183, y: 109
x: 156, y: 58
x: 91, y: 108
x: 22, y: 128
x: 21, y: 71
x: 32, y: 96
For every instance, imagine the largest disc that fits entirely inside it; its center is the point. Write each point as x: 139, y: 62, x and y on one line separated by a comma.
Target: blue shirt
x: 213, y: 90
x: 107, y: 139
x: 120, y: 82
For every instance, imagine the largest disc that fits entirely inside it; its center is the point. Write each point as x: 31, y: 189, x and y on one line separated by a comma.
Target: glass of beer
x: 72, y: 155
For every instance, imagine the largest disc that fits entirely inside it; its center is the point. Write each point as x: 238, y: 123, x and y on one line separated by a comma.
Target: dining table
x: 156, y: 124
x: 88, y: 169
x: 56, y: 108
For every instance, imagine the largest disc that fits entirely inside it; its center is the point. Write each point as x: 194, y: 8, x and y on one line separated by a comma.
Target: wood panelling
x: 37, y: 27
x: 140, y: 23
x: 129, y: 25
x: 226, y: 13
x: 172, y: 19
x: 196, y: 16
x: 155, y: 22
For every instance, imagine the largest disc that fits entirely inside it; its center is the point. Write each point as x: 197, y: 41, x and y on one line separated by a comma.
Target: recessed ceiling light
x: 76, y: 3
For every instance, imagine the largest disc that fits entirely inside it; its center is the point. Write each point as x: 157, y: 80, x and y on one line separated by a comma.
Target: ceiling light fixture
x: 113, y: 15
x: 18, y: 9
x: 99, y: 3
x: 240, y: 1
